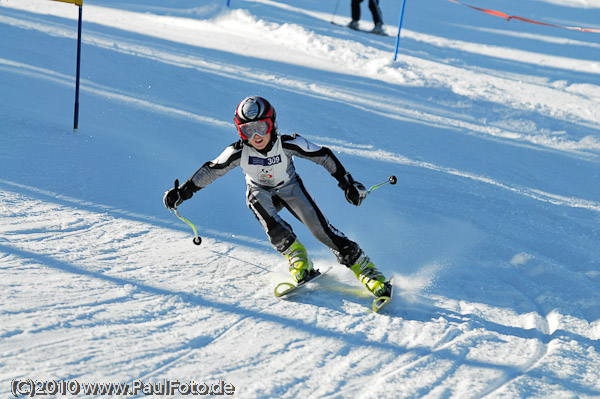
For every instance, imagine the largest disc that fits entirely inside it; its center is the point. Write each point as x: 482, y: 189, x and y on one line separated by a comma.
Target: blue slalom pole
x: 399, y: 29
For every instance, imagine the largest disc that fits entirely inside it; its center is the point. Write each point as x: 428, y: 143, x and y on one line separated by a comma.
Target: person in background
x: 375, y: 10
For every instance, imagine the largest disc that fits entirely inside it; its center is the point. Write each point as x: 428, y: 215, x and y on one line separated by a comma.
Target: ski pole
x: 392, y: 180
x: 197, y: 240
x: 335, y: 11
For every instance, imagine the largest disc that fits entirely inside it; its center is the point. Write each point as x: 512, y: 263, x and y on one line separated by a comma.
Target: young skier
x: 266, y: 159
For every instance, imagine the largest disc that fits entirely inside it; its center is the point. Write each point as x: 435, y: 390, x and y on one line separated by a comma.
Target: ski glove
x: 355, y: 192
x: 175, y: 196
x: 172, y: 198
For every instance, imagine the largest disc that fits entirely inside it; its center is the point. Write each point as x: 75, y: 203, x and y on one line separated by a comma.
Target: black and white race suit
x: 274, y: 184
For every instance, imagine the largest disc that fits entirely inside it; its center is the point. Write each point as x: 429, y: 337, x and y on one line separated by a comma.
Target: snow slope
x: 492, y: 231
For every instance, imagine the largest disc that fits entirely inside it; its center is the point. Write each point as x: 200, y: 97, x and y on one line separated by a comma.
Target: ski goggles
x: 251, y: 129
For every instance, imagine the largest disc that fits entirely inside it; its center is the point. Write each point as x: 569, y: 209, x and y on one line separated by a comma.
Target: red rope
x: 509, y: 17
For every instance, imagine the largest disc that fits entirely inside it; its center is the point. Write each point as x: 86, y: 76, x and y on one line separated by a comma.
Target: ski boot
x: 353, y: 25
x: 378, y: 29
x: 367, y: 273
x: 301, y: 266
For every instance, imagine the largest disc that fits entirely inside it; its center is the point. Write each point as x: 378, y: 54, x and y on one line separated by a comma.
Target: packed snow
x: 492, y: 232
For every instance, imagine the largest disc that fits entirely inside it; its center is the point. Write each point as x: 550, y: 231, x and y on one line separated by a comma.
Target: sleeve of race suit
x: 212, y: 170
x: 301, y: 147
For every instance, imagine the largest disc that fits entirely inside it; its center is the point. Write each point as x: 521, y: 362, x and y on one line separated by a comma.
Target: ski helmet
x: 254, y: 109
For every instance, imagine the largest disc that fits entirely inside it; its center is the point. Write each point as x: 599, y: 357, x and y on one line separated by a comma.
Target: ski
x: 363, y: 30
x: 371, y: 32
x: 380, y: 302
x: 286, y: 288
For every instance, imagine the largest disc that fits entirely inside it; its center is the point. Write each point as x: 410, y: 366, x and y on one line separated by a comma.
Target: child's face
x: 260, y: 142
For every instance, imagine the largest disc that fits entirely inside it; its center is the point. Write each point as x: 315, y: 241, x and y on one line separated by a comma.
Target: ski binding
x: 381, y: 301
x: 285, y: 288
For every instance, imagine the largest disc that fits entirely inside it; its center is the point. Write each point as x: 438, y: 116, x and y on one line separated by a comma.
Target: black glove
x: 355, y: 192
x: 175, y: 196
x: 172, y: 198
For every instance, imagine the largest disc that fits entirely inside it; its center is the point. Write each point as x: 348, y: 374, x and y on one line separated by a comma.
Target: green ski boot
x: 300, y: 264
x: 367, y: 273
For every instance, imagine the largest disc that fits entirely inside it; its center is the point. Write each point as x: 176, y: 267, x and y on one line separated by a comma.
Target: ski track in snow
x: 541, y: 329
x: 97, y: 292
